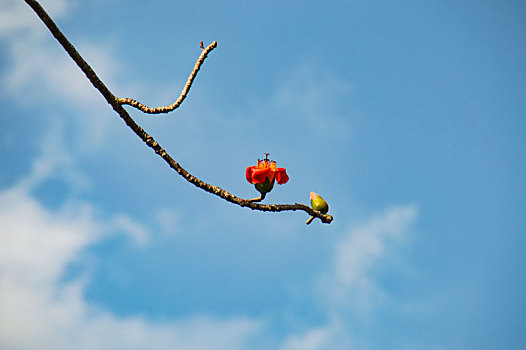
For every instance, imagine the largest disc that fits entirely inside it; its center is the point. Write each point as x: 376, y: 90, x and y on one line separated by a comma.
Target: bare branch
x: 186, y: 89
x: 149, y: 140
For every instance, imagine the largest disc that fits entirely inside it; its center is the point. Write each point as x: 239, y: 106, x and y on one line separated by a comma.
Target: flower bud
x: 318, y: 203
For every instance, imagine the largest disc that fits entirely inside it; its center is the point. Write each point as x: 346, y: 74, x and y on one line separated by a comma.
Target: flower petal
x: 260, y: 174
x: 281, y: 175
x: 249, y: 172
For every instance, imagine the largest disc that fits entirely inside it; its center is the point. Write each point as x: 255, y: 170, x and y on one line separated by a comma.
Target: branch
x: 149, y: 140
x: 186, y: 89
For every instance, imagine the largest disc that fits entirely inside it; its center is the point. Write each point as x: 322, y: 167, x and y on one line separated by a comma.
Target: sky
x: 408, y: 117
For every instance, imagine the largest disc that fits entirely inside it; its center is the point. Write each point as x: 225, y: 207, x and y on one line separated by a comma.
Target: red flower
x: 257, y: 174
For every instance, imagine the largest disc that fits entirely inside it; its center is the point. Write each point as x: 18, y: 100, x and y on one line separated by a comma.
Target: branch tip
x: 166, y: 109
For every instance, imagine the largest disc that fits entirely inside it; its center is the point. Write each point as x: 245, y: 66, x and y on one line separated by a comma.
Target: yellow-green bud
x: 318, y: 203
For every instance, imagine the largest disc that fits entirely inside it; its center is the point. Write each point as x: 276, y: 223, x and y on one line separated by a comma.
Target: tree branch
x: 146, y: 138
x: 186, y: 89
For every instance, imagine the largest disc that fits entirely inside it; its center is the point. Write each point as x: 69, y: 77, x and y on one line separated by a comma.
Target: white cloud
x: 122, y: 222
x: 16, y: 15
x: 42, y: 69
x: 55, y: 160
x: 39, y: 311
x: 332, y: 336
x: 36, y: 243
x: 168, y: 220
x: 314, y: 98
x: 349, y: 283
x: 41, y: 73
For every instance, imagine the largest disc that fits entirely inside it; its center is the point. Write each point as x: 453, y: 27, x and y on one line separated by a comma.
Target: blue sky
x: 408, y: 117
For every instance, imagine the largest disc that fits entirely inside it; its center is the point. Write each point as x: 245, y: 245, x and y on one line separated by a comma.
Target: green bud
x: 265, y: 187
x: 318, y: 203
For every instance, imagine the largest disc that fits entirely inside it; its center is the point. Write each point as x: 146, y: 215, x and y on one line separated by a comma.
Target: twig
x: 257, y: 199
x: 184, y: 93
x: 146, y: 138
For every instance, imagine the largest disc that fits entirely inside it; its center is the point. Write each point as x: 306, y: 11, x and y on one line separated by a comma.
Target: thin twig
x: 146, y: 138
x: 257, y: 199
x: 184, y: 93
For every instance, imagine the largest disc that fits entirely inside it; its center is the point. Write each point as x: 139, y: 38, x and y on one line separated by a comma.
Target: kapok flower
x: 264, y: 174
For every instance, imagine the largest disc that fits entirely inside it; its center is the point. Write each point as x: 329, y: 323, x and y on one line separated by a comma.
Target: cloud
x: 40, y: 243
x: 314, y: 97
x: 43, y: 71
x: 41, y: 74
x: 16, y: 15
x: 36, y: 243
x: 168, y: 220
x: 121, y: 222
x: 39, y: 70
x: 40, y: 311
x: 331, y: 336
x: 55, y: 160
x: 349, y: 282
